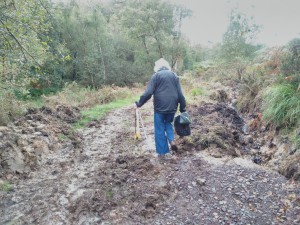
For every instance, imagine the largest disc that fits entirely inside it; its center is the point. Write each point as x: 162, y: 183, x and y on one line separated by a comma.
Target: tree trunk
x: 74, y: 72
x: 101, y: 54
x: 145, y: 45
x: 158, y: 43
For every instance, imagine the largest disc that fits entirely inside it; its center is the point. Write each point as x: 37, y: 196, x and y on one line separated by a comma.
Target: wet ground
x: 113, y: 179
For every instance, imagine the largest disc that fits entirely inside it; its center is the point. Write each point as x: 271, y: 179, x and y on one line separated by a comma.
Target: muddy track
x: 113, y: 179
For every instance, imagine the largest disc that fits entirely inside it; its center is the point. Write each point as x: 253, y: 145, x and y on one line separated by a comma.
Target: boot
x: 173, y: 146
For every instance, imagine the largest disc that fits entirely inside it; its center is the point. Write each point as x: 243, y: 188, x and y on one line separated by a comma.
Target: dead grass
x: 76, y: 96
x: 10, y: 107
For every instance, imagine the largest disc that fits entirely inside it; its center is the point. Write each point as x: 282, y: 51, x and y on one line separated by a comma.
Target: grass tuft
x: 281, y: 105
x: 6, y: 186
x: 99, y: 111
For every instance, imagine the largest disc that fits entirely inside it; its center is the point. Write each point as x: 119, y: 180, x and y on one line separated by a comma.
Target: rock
x: 3, y: 145
x: 40, y: 127
x: 40, y: 146
x: 9, y: 176
x: 242, y: 140
x: 200, y: 181
x: 37, y: 133
x: 246, y: 129
x: 263, y: 129
x: 257, y: 159
x: 4, y: 129
x: 22, y: 142
x: 292, y: 151
x: 249, y: 140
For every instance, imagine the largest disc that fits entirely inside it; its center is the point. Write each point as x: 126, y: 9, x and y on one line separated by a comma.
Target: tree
x: 237, y: 47
x: 151, y: 27
x: 237, y: 40
x: 24, y: 42
x: 84, y: 32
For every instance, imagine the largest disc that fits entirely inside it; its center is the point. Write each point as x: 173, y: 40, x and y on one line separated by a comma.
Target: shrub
x: 249, y: 92
x: 10, y: 107
x: 291, y: 61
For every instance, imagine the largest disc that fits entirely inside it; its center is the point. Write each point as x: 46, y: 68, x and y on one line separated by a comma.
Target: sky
x: 279, y: 19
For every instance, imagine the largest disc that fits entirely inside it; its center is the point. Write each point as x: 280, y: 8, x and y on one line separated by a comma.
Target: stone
x: 4, y: 129
x: 22, y: 142
x: 40, y: 127
x: 200, y: 181
x: 246, y: 129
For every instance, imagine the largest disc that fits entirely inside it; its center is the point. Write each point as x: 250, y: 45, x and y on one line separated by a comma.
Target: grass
x: 281, y: 105
x: 6, y: 186
x: 296, y: 138
x: 197, y: 92
x: 99, y: 111
x: 110, y: 194
x: 35, y: 103
x: 77, y: 96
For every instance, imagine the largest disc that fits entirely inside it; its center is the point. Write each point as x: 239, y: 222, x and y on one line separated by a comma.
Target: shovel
x: 137, y: 134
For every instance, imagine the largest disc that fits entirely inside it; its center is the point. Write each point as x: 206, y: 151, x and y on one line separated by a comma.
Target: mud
x: 25, y: 143
x: 217, y: 128
x: 113, y: 179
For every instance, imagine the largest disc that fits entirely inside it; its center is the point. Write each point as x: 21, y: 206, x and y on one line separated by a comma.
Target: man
x: 165, y: 87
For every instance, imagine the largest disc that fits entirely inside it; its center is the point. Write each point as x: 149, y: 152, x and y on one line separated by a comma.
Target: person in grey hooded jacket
x: 165, y: 87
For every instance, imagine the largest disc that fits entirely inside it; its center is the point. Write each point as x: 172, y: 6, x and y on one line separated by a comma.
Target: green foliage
x: 151, y: 28
x: 197, y: 92
x: 97, y: 112
x: 281, y: 105
x: 6, y: 186
x: 250, y: 88
x: 291, y: 61
x: 10, y: 107
x: 237, y: 39
x: 78, y: 96
x: 296, y: 137
x: 44, y: 44
x: 109, y: 193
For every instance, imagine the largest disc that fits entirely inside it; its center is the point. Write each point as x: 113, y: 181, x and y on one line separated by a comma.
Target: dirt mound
x: 217, y: 128
x: 220, y: 130
x: 273, y: 150
x: 24, y: 143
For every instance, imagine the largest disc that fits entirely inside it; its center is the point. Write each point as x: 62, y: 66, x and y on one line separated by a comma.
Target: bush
x: 10, y: 107
x: 281, y: 105
x: 291, y: 61
x: 250, y: 88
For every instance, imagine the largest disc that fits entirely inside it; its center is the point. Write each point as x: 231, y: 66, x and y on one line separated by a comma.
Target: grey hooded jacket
x: 165, y: 87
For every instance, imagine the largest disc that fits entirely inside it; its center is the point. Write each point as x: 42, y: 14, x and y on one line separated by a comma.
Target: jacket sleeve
x: 181, y: 98
x: 148, y: 92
